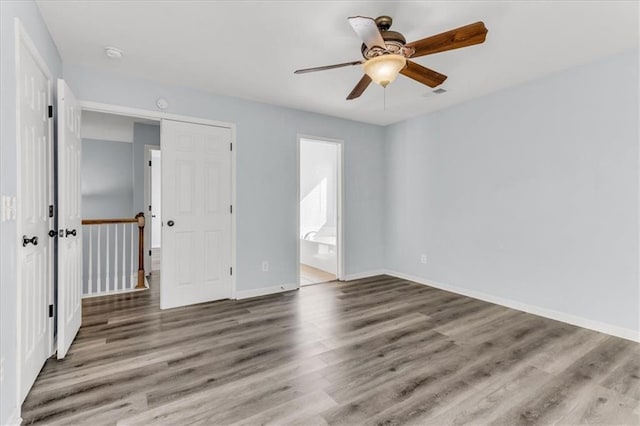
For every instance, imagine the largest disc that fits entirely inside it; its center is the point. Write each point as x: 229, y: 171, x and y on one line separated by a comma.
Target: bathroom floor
x: 310, y: 275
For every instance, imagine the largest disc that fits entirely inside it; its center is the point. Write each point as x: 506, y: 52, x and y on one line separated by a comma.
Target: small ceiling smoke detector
x: 162, y: 103
x: 113, y: 52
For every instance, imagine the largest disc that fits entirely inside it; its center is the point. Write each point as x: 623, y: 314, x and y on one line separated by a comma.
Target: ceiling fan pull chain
x: 384, y: 99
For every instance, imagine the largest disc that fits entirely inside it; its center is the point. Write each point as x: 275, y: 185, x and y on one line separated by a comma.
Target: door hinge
x: 50, y: 111
x: 231, y: 271
x: 231, y: 209
x: 149, y: 163
x: 50, y: 311
x: 230, y: 146
x: 50, y: 210
x: 149, y: 208
x: 149, y: 252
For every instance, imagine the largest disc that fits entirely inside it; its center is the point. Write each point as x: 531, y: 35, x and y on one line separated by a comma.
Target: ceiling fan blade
x: 360, y: 87
x: 423, y: 75
x: 327, y: 67
x: 449, y: 40
x: 367, y: 30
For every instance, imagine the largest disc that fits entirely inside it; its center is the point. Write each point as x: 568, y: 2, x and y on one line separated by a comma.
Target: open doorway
x: 113, y: 197
x: 320, y: 205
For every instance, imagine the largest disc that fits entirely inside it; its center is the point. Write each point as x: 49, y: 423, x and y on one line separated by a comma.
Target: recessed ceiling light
x: 113, y: 52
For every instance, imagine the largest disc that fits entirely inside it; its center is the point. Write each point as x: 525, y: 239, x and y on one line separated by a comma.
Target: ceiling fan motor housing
x: 393, y: 40
x: 394, y: 44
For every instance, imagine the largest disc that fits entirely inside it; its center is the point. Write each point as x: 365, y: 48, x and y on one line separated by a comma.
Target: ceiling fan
x: 386, y: 53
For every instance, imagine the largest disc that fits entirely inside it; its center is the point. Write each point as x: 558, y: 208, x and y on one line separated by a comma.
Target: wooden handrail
x: 139, y: 219
x: 108, y: 221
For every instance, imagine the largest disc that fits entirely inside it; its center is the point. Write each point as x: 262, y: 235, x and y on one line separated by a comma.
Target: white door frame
x: 340, y: 202
x: 22, y: 37
x: 159, y: 115
x: 147, y: 203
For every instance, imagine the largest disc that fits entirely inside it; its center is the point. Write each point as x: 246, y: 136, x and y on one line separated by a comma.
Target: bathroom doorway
x: 320, y: 204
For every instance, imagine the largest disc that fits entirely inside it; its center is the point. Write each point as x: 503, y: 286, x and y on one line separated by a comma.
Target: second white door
x: 196, y: 213
x: 69, y: 219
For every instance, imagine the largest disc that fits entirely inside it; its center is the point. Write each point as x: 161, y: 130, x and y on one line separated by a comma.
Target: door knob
x: 52, y: 233
x: 67, y: 232
x: 170, y: 223
x: 26, y: 241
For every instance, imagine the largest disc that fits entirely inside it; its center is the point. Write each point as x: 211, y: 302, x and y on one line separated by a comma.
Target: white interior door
x: 196, y: 203
x: 34, y: 192
x: 69, y: 219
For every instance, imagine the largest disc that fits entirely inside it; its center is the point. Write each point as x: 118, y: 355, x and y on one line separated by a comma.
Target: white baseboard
x: 15, y: 419
x: 246, y: 294
x: 613, y: 330
x: 365, y: 274
x: 111, y: 293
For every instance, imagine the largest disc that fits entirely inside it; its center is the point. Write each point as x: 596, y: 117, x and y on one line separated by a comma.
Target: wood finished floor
x: 374, y: 351
x: 310, y: 275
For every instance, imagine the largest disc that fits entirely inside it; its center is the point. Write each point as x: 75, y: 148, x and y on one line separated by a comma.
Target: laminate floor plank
x: 373, y: 351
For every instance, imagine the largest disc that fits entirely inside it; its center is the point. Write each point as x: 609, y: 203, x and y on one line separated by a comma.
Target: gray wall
x: 143, y: 134
x: 529, y: 194
x: 28, y: 13
x: 107, y: 179
x: 267, y: 171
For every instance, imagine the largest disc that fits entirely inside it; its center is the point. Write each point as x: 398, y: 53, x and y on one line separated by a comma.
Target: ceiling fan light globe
x: 384, y: 69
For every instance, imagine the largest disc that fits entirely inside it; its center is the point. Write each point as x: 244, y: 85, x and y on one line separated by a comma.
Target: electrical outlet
x: 265, y: 266
x: 423, y: 259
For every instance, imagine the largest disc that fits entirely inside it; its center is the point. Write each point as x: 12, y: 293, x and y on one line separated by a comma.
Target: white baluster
x: 108, y: 271
x: 132, y: 278
x: 90, y: 277
x: 124, y: 256
x: 99, y: 261
x: 115, y: 257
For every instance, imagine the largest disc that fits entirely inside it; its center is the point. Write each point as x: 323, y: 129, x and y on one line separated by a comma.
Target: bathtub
x: 320, y: 253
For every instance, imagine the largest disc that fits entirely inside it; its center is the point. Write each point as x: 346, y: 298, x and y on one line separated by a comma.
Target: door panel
x: 33, y: 221
x: 196, y: 198
x: 69, y: 219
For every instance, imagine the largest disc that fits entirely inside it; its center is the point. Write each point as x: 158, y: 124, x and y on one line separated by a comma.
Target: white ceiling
x: 249, y: 49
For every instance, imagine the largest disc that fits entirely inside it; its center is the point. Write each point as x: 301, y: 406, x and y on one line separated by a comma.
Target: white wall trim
x: 111, y: 293
x: 14, y: 418
x: 613, y: 330
x: 150, y: 115
x: 365, y: 274
x: 263, y: 291
x: 147, y: 202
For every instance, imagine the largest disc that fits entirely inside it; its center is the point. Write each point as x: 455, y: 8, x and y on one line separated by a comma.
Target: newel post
x: 140, y: 217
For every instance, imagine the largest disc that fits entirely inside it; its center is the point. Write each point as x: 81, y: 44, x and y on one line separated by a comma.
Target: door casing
x: 148, y: 202
x: 340, y: 202
x: 159, y: 115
